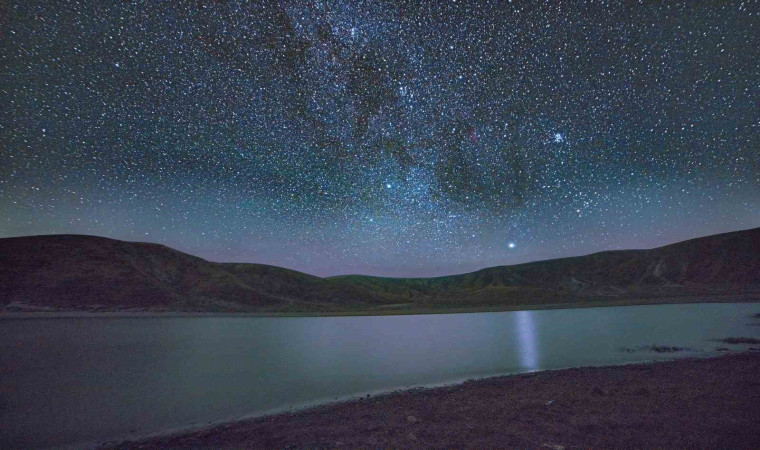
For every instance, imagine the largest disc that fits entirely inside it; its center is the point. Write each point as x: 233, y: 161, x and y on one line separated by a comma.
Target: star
x: 284, y: 128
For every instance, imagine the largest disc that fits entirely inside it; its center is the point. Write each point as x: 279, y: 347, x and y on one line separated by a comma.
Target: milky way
x: 400, y: 138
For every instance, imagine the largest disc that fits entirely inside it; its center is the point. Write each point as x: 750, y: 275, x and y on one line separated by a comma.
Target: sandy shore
x: 691, y: 403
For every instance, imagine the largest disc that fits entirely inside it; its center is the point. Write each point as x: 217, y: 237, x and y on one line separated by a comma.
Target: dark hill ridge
x: 87, y: 272
x: 74, y: 272
x: 717, y: 264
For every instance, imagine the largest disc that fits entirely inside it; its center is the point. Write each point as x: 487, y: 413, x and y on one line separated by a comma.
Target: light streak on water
x: 526, y: 335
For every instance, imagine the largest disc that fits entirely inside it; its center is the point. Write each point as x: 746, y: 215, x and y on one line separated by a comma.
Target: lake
x: 81, y: 381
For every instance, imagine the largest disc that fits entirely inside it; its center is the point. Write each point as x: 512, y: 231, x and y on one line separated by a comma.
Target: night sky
x: 397, y: 138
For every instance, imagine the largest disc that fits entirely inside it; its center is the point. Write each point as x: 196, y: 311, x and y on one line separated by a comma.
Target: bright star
x: 511, y: 245
x: 559, y: 137
x: 388, y: 185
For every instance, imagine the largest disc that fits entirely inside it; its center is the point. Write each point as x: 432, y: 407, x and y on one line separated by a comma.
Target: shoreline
x: 79, y: 314
x: 689, y: 402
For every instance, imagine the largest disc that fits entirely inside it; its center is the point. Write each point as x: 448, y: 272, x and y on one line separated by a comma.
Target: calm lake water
x: 82, y: 381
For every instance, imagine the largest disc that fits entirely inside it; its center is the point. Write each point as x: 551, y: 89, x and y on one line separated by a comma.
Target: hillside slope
x: 73, y: 272
x: 718, y: 264
x: 70, y: 272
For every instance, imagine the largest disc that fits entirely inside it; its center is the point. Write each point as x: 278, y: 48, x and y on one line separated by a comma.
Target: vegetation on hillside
x: 68, y: 272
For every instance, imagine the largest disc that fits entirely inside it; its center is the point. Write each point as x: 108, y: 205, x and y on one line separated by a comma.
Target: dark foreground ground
x: 709, y: 403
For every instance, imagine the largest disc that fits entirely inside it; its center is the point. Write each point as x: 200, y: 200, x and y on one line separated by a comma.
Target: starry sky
x: 394, y: 138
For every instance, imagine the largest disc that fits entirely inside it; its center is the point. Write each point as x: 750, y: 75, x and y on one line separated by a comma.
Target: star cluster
x: 399, y: 138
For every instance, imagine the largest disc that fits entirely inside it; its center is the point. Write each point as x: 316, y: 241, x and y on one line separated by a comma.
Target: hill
x: 722, y: 264
x: 87, y: 272
x: 73, y: 272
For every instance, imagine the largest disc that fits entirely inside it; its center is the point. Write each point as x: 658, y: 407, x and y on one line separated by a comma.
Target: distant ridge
x: 76, y: 272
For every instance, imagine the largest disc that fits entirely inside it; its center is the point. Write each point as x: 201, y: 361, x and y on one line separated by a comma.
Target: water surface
x: 83, y: 381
